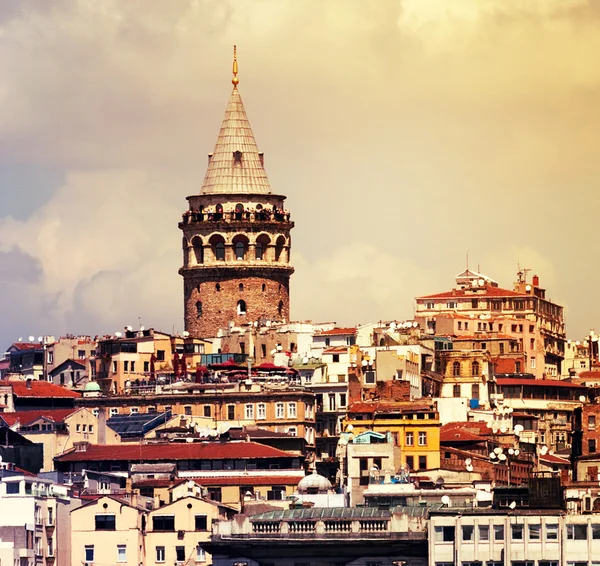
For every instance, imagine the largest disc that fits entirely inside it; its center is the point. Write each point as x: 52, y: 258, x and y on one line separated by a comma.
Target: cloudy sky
x: 404, y: 132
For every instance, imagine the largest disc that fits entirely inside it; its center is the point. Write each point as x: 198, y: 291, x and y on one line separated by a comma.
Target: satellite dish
x: 518, y: 429
x: 31, y: 338
x: 503, y: 429
x: 268, y: 323
x: 222, y: 428
x: 279, y: 347
x: 502, y: 457
x: 364, y: 363
x: 481, y: 282
x: 488, y: 424
x: 21, y: 339
x: 129, y: 328
x: 469, y: 468
x: 511, y: 451
x: 273, y: 352
x: 415, y: 324
x: 544, y: 450
x: 40, y: 338
x: 342, y: 442
x: 118, y: 334
x: 468, y: 462
x: 185, y: 334
x: 189, y: 439
x: 349, y: 428
x: 498, y: 450
x: 582, y: 398
x: 304, y: 360
x: 392, y: 326
x: 493, y: 455
x: 527, y: 287
x: 517, y: 451
x: 445, y: 500
x: 191, y: 424
x: 513, y: 504
x: 190, y: 484
x: 142, y: 328
x: 213, y: 433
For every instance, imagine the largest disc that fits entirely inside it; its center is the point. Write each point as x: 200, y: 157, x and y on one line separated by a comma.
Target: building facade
x: 236, y: 236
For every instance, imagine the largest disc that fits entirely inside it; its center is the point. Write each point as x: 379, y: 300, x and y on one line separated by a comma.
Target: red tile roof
x: 338, y: 332
x: 175, y: 451
x: 247, y: 480
x: 508, y: 381
x: 27, y: 346
x: 486, y: 292
x: 25, y: 418
x: 459, y: 435
x: 40, y: 389
x: 479, y: 428
x: 336, y: 350
x: 382, y: 407
x: 552, y: 459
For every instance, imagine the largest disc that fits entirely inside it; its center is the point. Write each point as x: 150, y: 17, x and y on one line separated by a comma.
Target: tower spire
x: 235, y: 81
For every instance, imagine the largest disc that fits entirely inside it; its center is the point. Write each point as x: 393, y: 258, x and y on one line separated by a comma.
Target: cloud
x: 404, y: 132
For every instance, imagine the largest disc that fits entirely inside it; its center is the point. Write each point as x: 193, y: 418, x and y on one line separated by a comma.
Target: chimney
x: 536, y: 281
x: 28, y: 383
x: 102, y: 426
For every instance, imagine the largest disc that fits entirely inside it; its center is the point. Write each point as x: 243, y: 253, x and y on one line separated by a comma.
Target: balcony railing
x: 191, y: 217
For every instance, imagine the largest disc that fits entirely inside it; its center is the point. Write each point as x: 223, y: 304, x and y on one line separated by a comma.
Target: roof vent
x: 237, y: 156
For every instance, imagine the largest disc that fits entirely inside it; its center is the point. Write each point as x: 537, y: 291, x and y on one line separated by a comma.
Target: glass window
x: 105, y: 523
x: 180, y: 553
x: 201, y: 523
x: 551, y: 531
x: 160, y: 553
x: 410, y: 438
x: 516, y: 532
x: 577, y: 532
x: 121, y: 553
x: 200, y: 554
x: 422, y: 438
x: 291, y: 410
x: 498, y: 532
x: 444, y: 534
x: 89, y: 552
x: 468, y: 533
x: 484, y: 533
x: 163, y: 523
x: 595, y: 531
x: 261, y: 411
x: 550, y: 563
x: 279, y: 411
x: 249, y: 412
x: 534, y: 532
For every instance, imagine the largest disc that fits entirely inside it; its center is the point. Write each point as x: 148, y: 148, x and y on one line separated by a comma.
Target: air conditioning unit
x: 180, y: 535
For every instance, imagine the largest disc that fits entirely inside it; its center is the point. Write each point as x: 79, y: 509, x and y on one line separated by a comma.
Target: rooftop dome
x: 91, y: 386
x: 314, y: 483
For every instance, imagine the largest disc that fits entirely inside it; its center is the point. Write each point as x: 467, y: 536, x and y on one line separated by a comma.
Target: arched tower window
x: 219, y: 212
x: 198, y: 309
x: 218, y: 287
x: 279, y: 244
x: 217, y: 244
x: 456, y: 368
x: 239, y: 211
x: 241, y: 286
x: 475, y: 368
x: 264, y: 287
x: 198, y: 249
x: 262, y: 242
x: 241, y: 307
x: 186, y: 252
x: 280, y: 308
x: 240, y: 244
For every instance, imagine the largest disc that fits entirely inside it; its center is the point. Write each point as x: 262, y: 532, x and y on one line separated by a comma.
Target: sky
x: 404, y: 132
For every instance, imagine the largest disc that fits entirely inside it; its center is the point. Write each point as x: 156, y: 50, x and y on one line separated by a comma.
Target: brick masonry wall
x: 220, y: 306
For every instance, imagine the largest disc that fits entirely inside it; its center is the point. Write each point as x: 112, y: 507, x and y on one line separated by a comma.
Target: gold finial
x: 235, y: 79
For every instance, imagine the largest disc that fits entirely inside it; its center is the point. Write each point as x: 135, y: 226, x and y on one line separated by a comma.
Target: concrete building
x: 479, y: 306
x: 35, y: 523
x: 236, y: 236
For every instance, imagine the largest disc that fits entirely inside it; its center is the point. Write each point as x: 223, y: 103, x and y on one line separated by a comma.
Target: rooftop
x: 488, y: 291
x: 25, y: 418
x: 37, y: 388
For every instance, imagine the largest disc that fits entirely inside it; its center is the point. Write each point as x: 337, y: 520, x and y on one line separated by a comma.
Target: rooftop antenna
x: 467, y: 260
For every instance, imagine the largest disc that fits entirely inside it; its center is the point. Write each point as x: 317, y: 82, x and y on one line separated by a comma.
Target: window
x: 200, y: 554
x: 451, y: 305
x: 249, y: 412
x: 291, y: 410
x: 121, y: 553
x: 422, y: 438
x: 475, y: 391
x: 125, y: 365
x: 484, y: 533
x: 595, y: 531
x: 199, y: 309
x: 501, y: 347
x: 89, y: 552
x: 498, y: 532
x: 113, y: 411
x: 410, y: 439
x: 187, y: 410
x: 444, y: 534
x: 78, y: 428
x: 456, y: 390
x: 577, y: 532
x: 410, y: 462
x: 468, y: 533
x: 422, y: 462
x: 456, y: 369
x: 591, y: 422
x: 517, y: 367
x: 231, y: 412
x: 105, y: 523
x: 279, y: 411
x: 522, y: 563
x: 336, y: 358
x: 214, y: 493
x: 549, y: 563
x: 592, y: 445
x: 534, y: 532
x: 114, y: 366
x: 241, y: 307
x: 475, y: 368
x: 160, y: 553
x: 206, y: 410
x: 146, y: 370
x: 180, y: 553
x: 342, y: 399
x: 201, y: 522
x: 261, y: 412
x: 240, y: 250
x: 132, y: 366
x: 160, y: 355
x: 163, y: 523
x: 429, y: 306
x: 516, y: 532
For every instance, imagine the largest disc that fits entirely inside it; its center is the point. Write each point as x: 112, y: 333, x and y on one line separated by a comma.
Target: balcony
x: 193, y: 217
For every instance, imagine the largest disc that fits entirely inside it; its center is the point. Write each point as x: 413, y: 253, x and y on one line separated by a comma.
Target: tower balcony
x: 227, y: 217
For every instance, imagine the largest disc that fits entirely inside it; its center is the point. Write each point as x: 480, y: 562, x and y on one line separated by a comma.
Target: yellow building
x: 108, y: 530
x: 415, y: 428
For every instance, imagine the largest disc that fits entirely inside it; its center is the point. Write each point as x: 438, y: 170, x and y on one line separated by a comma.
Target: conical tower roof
x: 236, y: 165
